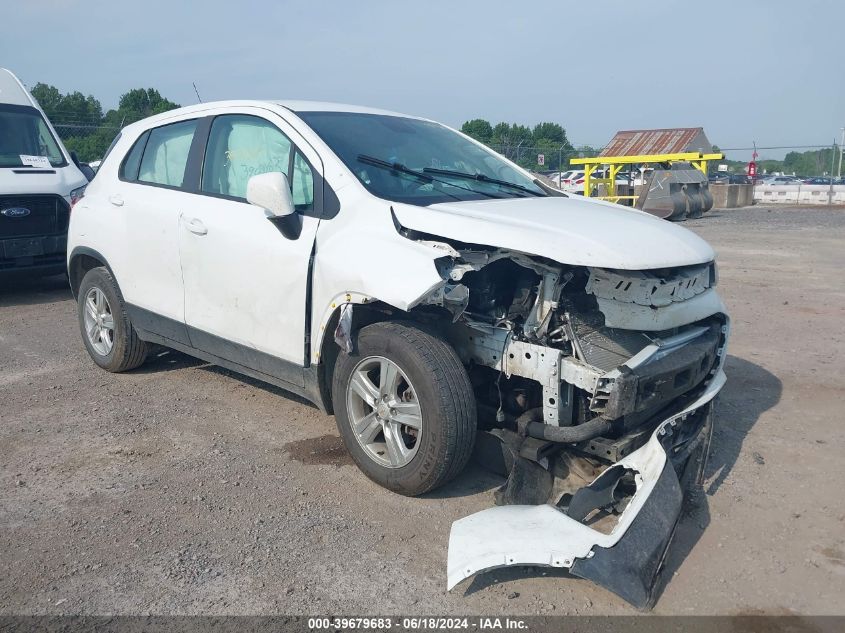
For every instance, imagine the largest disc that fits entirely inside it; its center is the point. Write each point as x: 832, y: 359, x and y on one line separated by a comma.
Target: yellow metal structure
x: 614, y: 163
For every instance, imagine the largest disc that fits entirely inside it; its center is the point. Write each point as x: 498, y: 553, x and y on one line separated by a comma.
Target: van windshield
x: 419, y: 162
x: 24, y: 134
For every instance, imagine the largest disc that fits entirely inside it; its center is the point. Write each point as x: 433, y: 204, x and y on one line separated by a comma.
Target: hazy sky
x: 746, y: 70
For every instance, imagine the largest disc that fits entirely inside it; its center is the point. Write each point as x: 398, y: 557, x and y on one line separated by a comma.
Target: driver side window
x: 241, y: 146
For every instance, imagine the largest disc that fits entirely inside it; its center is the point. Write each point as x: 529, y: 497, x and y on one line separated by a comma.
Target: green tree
x: 479, y: 129
x: 73, y: 108
x: 501, y: 133
x: 549, y: 131
x: 81, y: 123
x: 522, y: 144
x: 142, y: 103
x: 811, y: 163
x: 48, y: 97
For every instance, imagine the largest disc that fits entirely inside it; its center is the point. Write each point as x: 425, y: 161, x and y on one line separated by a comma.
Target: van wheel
x: 404, y: 407
x: 108, y: 335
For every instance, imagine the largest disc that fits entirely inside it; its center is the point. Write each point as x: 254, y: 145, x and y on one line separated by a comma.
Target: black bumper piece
x: 631, y: 568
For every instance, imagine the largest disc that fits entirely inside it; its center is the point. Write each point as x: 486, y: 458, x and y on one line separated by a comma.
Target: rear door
x: 245, y: 276
x: 150, y: 196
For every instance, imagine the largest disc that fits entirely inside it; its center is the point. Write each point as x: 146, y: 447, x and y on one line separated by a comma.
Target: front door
x: 245, y: 281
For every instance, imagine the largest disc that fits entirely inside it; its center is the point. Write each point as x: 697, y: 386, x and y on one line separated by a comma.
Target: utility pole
x: 839, y: 171
x: 560, y: 166
x: 832, y: 163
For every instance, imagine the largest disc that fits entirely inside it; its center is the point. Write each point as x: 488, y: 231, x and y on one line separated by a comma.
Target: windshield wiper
x: 371, y: 160
x: 400, y: 168
x: 480, y: 178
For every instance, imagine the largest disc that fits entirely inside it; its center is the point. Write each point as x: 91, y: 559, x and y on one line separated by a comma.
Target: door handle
x: 116, y: 200
x: 195, y: 225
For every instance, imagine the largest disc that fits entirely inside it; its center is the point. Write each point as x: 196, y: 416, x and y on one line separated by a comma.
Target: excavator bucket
x: 676, y: 193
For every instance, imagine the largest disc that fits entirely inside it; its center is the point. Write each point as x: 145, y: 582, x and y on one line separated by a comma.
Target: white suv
x: 407, y: 278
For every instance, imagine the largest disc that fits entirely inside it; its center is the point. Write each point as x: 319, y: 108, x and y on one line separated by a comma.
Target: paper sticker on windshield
x: 36, y: 161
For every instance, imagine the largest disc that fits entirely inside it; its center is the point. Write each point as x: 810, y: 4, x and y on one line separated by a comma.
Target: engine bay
x: 546, y: 364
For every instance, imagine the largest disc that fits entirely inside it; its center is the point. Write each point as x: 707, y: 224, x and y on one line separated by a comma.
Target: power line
x: 742, y: 149
x: 86, y: 127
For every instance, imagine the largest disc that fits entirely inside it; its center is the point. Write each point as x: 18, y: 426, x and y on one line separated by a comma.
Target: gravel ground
x: 182, y: 488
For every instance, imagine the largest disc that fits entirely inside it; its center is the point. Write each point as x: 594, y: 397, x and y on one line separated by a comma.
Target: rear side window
x: 166, y: 154
x: 132, y: 162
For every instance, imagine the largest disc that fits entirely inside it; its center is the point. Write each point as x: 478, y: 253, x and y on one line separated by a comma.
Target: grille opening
x: 48, y: 215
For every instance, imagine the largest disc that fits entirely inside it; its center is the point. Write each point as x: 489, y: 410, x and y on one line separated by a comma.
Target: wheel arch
x: 365, y: 311
x: 81, y: 260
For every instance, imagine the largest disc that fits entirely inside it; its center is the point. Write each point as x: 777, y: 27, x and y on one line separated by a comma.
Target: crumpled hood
x: 573, y: 230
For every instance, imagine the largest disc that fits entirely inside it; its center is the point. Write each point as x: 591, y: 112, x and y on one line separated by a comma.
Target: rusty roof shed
x: 662, y: 141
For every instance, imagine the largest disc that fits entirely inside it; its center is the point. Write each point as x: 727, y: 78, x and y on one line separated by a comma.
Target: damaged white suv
x: 437, y: 299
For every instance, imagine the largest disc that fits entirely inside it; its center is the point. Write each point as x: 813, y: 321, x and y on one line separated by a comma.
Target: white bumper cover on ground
x: 543, y: 535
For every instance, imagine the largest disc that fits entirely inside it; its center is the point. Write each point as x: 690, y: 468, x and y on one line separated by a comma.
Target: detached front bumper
x: 628, y: 559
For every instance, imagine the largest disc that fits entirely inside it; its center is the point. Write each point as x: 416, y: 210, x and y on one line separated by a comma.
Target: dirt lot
x: 181, y: 488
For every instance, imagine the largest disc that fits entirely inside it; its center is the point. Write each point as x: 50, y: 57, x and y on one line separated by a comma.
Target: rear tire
x: 430, y: 391
x: 107, y: 333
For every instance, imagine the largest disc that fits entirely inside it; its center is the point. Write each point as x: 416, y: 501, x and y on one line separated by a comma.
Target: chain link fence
x: 89, y: 141
x: 543, y: 159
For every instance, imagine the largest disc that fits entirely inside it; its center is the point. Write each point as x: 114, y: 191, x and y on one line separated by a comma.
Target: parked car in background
x: 722, y: 178
x: 39, y: 183
x: 571, y: 181
x: 556, y: 177
x: 818, y: 181
x: 780, y: 180
x: 574, y: 180
x: 407, y: 278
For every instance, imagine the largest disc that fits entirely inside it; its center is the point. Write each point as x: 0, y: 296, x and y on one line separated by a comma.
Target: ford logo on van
x: 16, y: 212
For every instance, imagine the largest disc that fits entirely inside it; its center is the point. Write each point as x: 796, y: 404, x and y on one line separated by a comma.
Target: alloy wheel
x: 384, y: 412
x: 99, y: 321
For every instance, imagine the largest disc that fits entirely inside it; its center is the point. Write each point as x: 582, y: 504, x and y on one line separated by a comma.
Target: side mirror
x: 74, y: 157
x: 87, y: 171
x: 270, y: 191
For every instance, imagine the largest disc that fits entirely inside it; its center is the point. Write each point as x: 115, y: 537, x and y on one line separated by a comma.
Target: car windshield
x: 419, y: 162
x: 25, y: 138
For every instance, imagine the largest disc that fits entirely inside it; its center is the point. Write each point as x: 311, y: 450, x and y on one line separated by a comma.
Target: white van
x: 39, y: 183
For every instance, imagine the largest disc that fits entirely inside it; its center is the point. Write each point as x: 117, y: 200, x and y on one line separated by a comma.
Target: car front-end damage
x: 594, y: 389
x: 645, y: 489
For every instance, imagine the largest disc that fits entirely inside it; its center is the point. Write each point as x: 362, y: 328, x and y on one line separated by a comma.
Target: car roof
x: 292, y: 105
x: 328, y: 106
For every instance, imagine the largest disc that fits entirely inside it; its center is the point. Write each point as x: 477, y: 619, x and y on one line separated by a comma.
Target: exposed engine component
x: 546, y: 363
x: 600, y: 346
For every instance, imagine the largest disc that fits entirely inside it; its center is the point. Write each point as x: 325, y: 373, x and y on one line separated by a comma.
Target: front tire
x: 404, y: 407
x: 107, y: 333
